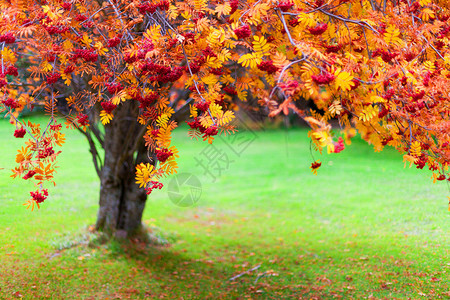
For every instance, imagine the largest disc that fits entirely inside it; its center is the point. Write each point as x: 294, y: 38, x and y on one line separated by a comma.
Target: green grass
x: 364, y: 227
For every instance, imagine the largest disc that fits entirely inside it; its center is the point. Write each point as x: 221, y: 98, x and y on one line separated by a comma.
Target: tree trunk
x: 122, y: 202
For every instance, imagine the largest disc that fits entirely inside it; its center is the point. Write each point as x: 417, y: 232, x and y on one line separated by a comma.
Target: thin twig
x: 246, y: 272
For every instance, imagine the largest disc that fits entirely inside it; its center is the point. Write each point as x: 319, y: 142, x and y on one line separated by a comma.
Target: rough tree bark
x: 122, y: 202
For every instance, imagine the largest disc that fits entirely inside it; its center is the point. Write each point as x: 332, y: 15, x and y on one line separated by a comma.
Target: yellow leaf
x: 377, y: 99
x: 214, y: 62
x: 186, y: 15
x: 193, y: 110
x: 67, y: 45
x: 225, y: 117
x: 162, y: 120
x: 416, y: 149
x: 100, y: 49
x: 227, y: 79
x: 368, y: 113
x: 200, y: 5
x: 216, y: 38
x: 392, y: 36
x: 215, y: 109
x: 429, y: 66
x: 410, y: 159
x: 260, y: 45
x: 427, y: 14
x: 223, y: 9
x: 86, y: 40
x: 343, y: 81
x: 8, y: 55
x: 105, y: 118
x: 67, y: 78
x: 144, y: 173
x: 306, y: 20
x: 46, y: 67
x: 210, y: 79
x: 120, y: 97
x: 251, y: 60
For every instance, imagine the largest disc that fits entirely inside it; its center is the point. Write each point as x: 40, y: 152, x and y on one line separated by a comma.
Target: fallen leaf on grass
x: 17, y: 294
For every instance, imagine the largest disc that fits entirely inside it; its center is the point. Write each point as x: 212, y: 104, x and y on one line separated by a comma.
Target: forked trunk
x: 122, y: 202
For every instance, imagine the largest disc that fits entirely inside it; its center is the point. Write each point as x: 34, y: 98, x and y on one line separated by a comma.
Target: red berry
x: 20, y: 132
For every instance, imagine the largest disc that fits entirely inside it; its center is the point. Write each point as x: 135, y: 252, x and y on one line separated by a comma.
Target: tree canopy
x: 379, y: 67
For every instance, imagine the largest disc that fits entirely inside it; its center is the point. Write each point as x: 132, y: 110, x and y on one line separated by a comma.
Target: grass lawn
x: 365, y: 227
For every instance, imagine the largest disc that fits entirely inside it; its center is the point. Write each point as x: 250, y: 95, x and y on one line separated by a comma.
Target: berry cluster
x: 202, y: 106
x: 443, y: 32
x: 112, y: 42
x: 356, y: 82
x: 30, y: 174
x: 7, y: 38
x: 163, y: 154
x: 88, y: 55
x: 294, y: 22
x: 81, y: 18
x: 333, y: 48
x: 385, y: 141
x: 211, y: 131
x: 413, y: 7
x: 46, y: 152
x: 315, y: 165
x: 39, y: 197
x: 441, y: 177
x: 12, y: 70
x: 339, y: 145
x: 160, y: 73
x: 421, y: 161
x: 196, y: 64
x: 285, y: 6
x: 243, y: 31
x: 189, y: 38
x: 150, y: 8
x: 426, y: 79
x: 386, y: 56
x: 414, y: 108
x: 66, y: 5
x: 230, y: 90
x: 324, y: 78
x: 11, y: 103
x: 417, y: 96
x: 195, y: 124
x: 153, y: 185
x: 114, y: 87
x: 108, y: 106
x: 155, y: 132
x: 234, y: 6
x: 55, y: 127
x: 267, y: 66
x: 319, y: 29
x: 55, y: 29
x: 52, y: 78
x: 319, y: 3
x: 82, y: 119
x: 20, y: 132
x: 217, y: 72
x: 148, y: 100
x: 69, y: 69
x: 3, y: 81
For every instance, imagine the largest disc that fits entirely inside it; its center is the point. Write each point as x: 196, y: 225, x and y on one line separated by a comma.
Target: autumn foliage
x: 380, y: 68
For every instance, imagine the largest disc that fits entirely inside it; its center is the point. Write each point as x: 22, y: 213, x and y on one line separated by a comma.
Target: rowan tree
x: 125, y: 73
